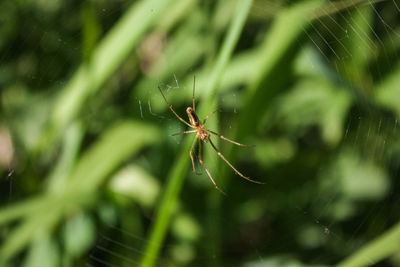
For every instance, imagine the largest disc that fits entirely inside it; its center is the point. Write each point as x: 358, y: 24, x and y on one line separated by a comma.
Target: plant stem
x: 175, y: 179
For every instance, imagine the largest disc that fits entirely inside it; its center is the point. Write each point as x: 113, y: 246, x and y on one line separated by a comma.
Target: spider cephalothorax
x: 201, y: 131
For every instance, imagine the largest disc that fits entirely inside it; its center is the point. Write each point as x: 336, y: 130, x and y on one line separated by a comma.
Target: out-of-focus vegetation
x: 92, y: 176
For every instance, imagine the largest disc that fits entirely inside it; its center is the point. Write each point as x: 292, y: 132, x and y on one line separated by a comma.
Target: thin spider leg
x: 229, y: 140
x: 194, y: 85
x: 191, y: 156
x: 173, y: 111
x: 206, y: 118
x: 208, y: 173
x: 184, y: 132
x: 230, y: 165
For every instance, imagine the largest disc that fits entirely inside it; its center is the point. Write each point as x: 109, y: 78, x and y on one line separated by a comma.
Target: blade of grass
x: 122, y: 140
x: 274, y: 63
x: 117, y: 145
x: 278, y: 51
x: 105, y: 59
x: 72, y: 141
x: 386, y: 94
x: 273, y: 67
x: 25, y: 232
x: 15, y: 211
x: 175, y: 179
x: 95, y: 166
x: 224, y: 57
x: 272, y: 70
x: 385, y: 245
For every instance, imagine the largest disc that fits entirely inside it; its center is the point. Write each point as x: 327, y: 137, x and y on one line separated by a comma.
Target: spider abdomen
x: 194, y: 120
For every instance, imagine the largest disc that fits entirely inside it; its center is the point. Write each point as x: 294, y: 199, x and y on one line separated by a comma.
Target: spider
x: 204, y: 134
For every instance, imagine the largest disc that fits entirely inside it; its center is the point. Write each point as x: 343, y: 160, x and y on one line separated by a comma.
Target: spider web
x: 324, y: 219
x: 338, y: 207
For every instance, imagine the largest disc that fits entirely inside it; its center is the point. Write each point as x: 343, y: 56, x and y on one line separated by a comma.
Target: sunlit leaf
x: 136, y: 183
x: 79, y: 234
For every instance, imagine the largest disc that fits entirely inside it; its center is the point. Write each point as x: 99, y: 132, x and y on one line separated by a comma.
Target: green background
x: 92, y: 176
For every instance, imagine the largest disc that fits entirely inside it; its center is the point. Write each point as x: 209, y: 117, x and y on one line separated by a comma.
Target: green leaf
x: 106, y: 58
x: 136, y: 183
x: 117, y: 145
x: 387, y: 93
x: 185, y: 227
x: 278, y: 52
x: 43, y: 252
x: 315, y: 101
x: 79, y: 234
x: 96, y: 165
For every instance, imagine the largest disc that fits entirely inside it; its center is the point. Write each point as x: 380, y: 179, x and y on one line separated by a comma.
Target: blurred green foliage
x: 91, y: 176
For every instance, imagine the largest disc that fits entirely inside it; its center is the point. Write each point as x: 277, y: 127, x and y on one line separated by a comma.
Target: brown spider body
x: 201, y: 131
x: 203, y: 134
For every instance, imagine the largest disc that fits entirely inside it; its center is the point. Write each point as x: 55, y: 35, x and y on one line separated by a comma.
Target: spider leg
x: 191, y: 156
x: 184, y: 132
x: 229, y: 140
x: 173, y: 111
x: 206, y: 118
x: 194, y: 83
x: 208, y: 173
x: 230, y: 165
